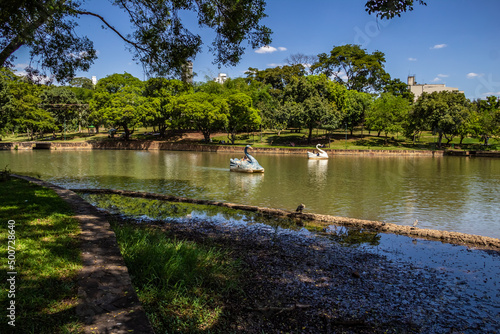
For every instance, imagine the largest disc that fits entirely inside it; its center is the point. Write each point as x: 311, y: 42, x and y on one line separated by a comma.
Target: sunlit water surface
x: 444, y: 193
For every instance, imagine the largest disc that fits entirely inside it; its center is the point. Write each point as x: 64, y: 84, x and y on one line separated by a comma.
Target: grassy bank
x: 338, y: 139
x: 182, y: 285
x: 47, y: 260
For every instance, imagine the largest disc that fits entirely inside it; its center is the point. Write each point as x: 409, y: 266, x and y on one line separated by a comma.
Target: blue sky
x: 452, y: 42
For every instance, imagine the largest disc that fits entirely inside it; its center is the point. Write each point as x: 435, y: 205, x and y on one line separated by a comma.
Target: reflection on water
x: 445, y: 193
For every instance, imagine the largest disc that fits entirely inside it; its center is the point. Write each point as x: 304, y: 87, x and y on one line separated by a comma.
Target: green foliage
x: 61, y: 103
x: 160, y: 96
x: 388, y: 9
x: 356, y: 108
x: 398, y: 88
x: 242, y: 116
x: 488, y: 111
x: 207, y: 113
x: 159, y: 40
x: 309, y: 101
x: 441, y: 112
x: 388, y: 114
x: 119, y: 102
x: 355, y: 68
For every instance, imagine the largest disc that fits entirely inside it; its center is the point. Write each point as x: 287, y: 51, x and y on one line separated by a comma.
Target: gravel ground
x: 302, y: 282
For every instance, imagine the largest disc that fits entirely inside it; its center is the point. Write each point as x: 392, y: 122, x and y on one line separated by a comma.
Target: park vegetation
x: 290, y: 96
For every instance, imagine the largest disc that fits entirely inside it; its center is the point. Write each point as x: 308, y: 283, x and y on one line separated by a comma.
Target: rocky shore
x: 299, y: 282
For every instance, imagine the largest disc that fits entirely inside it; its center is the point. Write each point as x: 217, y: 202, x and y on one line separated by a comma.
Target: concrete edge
x: 108, y: 302
x: 464, y: 239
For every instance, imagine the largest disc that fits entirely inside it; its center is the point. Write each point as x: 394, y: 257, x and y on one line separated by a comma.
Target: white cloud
x: 266, y: 49
x: 443, y: 75
x: 269, y: 49
x: 490, y: 93
x: 436, y: 79
x: 21, y: 65
x: 473, y: 75
x: 412, y: 59
x: 439, y: 46
x: 274, y: 65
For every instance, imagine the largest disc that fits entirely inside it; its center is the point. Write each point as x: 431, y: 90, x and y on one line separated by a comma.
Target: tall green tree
x: 161, y: 95
x: 488, y: 118
x: 355, y: 68
x: 441, y: 112
x: 114, y: 92
x: 62, y: 103
x: 388, y: 114
x: 311, y: 99
x: 356, y: 108
x: 207, y: 113
x: 160, y: 40
x: 242, y: 116
x: 26, y: 113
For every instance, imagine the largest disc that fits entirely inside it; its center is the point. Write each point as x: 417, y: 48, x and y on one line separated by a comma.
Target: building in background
x: 221, y: 78
x: 418, y: 89
x: 94, y: 80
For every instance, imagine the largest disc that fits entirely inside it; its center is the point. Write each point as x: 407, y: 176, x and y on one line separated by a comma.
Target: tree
x: 207, y: 113
x: 81, y: 83
x: 161, y: 94
x: 311, y: 102
x: 62, y: 104
x: 387, y: 9
x: 118, y: 101
x: 398, y: 88
x: 354, y: 67
x: 25, y: 111
x: 441, y: 112
x: 241, y: 115
x: 488, y: 118
x: 278, y: 77
x: 125, y: 109
x: 354, y: 112
x: 388, y: 114
x: 159, y: 40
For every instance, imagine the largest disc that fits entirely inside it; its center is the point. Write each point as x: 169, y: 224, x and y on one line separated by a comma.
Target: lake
x: 446, y: 193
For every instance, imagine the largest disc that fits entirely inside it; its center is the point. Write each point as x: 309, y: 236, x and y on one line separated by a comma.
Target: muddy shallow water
x: 431, y: 286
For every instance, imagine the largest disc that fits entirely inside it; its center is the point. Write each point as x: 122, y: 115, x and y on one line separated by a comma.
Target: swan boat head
x: 246, y: 165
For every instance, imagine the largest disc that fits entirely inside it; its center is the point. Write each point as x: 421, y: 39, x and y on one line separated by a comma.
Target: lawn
x: 43, y: 239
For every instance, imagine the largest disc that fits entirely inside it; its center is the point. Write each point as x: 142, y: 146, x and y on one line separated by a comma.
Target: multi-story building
x: 418, y: 89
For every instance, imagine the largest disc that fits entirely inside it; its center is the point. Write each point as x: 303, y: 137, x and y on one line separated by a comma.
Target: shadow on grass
x: 47, y: 259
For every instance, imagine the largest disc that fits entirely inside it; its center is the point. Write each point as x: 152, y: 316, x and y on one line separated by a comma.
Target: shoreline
x: 172, y: 146
x: 457, y: 238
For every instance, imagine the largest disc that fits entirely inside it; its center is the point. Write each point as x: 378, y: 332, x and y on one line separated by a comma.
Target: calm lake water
x: 444, y: 193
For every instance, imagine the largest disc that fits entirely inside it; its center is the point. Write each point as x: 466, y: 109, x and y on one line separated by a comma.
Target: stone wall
x: 169, y: 146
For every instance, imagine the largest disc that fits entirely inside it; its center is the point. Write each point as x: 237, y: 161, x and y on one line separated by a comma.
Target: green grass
x: 182, y: 285
x: 359, y: 140
x: 47, y: 259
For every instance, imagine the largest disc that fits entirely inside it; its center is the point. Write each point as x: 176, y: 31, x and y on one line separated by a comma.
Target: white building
x: 418, y: 89
x: 221, y: 78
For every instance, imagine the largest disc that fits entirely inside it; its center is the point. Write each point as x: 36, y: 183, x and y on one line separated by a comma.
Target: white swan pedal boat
x: 247, y: 164
x: 321, y: 155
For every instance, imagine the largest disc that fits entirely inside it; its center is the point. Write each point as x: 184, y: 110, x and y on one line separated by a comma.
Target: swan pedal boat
x: 246, y: 165
x: 320, y: 155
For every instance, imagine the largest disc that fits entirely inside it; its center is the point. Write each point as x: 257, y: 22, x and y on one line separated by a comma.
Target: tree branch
x: 137, y: 46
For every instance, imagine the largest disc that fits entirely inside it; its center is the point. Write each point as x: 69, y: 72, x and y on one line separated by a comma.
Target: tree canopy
x: 160, y: 40
x: 355, y: 68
